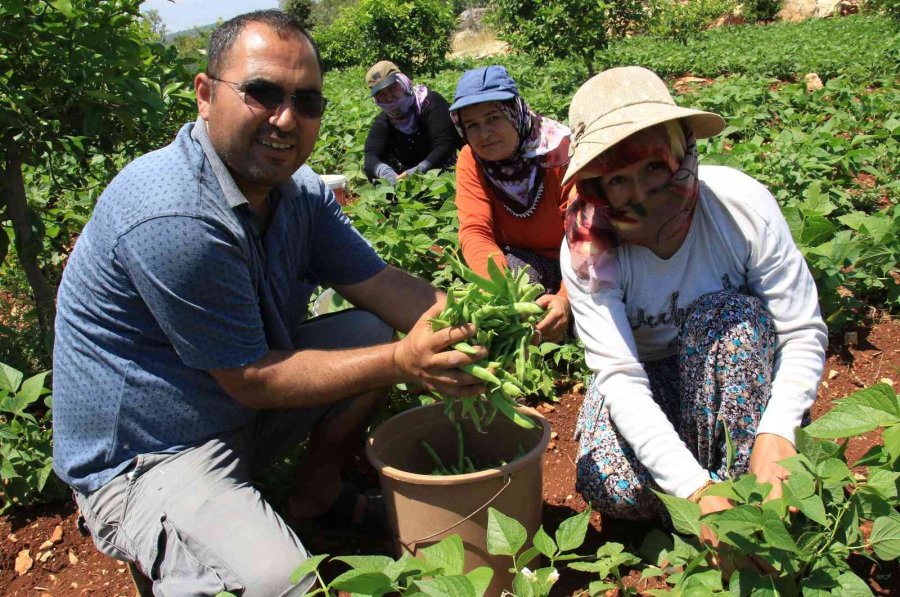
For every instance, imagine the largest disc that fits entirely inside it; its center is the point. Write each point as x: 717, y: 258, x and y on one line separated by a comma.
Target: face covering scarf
x: 543, y: 143
x: 405, y: 113
x: 594, y: 228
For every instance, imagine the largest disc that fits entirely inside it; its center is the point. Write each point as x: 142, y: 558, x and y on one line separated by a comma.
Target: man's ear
x: 203, y: 88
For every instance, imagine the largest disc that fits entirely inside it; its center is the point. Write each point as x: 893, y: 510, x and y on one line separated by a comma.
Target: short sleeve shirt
x: 171, y: 278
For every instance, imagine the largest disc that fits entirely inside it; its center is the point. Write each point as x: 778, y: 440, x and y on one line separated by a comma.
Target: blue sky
x: 185, y: 14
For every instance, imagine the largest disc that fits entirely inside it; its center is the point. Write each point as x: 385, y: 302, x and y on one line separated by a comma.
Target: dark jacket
x: 436, y: 141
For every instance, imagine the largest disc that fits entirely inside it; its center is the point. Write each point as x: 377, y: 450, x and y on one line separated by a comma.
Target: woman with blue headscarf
x: 413, y: 132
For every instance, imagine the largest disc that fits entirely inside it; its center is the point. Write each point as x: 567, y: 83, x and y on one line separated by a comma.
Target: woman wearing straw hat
x: 692, y: 301
x: 413, y: 132
x: 509, y: 195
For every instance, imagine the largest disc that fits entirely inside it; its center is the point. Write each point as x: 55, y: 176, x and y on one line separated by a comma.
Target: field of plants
x: 813, y: 111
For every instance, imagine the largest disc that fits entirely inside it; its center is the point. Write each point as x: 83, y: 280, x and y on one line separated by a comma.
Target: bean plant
x: 26, y: 453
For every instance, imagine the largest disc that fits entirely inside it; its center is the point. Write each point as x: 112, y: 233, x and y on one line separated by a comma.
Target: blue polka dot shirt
x: 171, y: 278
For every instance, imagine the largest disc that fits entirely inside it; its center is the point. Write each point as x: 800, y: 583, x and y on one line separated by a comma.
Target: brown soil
x: 72, y: 566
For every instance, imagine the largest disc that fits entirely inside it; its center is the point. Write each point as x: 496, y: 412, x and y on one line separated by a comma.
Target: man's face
x: 261, y: 147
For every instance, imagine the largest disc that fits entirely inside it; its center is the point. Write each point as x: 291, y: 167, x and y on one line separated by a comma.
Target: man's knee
x: 254, y: 554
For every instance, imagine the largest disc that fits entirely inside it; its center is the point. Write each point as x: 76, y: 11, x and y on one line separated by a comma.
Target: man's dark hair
x: 222, y: 39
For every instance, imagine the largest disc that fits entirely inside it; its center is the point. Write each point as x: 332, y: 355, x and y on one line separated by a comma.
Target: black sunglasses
x: 263, y: 94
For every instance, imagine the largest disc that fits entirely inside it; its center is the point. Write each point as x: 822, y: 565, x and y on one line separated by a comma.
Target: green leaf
x: 853, y: 586
x: 448, y: 554
x: 544, y: 543
x: 365, y: 583
x: 307, y: 566
x: 481, y: 579
x: 776, y: 534
x: 813, y: 508
x: 891, y: 437
x: 655, y: 544
x: 65, y: 7
x: 522, y: 587
x: 867, y: 409
x: 527, y: 556
x: 834, y: 471
x: 9, y: 378
x: 505, y: 535
x: 885, y: 538
x: 32, y: 388
x: 685, y: 513
x: 816, y: 450
x: 366, y: 563
x: 802, y: 484
x: 447, y: 586
x: 884, y: 482
x: 572, y: 531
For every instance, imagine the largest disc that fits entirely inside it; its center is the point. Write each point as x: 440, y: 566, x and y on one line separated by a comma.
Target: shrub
x: 760, y: 10
x: 548, y: 29
x: 389, y: 30
x: 685, y: 20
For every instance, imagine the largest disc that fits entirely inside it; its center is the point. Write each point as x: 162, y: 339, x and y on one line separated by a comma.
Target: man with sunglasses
x: 183, y: 363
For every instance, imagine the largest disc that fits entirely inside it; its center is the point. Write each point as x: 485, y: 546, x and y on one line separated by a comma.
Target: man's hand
x: 767, y: 450
x: 423, y: 356
x: 553, y: 326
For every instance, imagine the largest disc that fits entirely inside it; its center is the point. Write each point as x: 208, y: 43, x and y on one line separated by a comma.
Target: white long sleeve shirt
x: 738, y: 238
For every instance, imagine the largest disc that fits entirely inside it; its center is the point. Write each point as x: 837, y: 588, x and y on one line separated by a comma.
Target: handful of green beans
x: 504, y: 313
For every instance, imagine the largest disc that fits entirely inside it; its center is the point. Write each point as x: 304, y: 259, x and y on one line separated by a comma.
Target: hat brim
x: 629, y: 120
x: 385, y: 82
x: 481, y: 98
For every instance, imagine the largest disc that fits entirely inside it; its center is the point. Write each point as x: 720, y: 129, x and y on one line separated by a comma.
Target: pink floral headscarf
x: 594, y: 228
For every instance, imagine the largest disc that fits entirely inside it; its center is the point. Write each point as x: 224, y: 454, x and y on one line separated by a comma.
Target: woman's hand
x: 767, y: 450
x: 553, y: 326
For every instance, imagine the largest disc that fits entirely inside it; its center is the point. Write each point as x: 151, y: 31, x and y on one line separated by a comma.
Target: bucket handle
x: 411, y: 546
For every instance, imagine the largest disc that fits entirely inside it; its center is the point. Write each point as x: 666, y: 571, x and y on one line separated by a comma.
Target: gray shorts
x: 192, y: 522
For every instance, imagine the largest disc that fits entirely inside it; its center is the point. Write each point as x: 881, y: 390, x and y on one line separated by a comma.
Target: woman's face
x: 389, y: 94
x: 634, y: 183
x: 489, y: 132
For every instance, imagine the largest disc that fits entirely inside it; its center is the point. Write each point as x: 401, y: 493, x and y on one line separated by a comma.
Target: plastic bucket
x: 337, y: 183
x: 423, y: 508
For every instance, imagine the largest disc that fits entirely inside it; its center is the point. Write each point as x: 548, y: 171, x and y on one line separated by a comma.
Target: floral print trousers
x: 722, y: 370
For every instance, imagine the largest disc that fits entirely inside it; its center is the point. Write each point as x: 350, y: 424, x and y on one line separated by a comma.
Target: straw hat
x: 621, y: 101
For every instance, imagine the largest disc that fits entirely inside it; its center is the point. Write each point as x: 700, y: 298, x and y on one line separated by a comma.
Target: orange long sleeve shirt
x: 485, y: 224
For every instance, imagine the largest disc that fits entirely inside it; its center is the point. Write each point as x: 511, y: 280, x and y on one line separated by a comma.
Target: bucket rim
x: 535, y: 453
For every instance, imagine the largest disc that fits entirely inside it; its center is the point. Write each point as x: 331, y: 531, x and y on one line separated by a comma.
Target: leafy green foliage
x: 84, y: 86
x: 299, y: 9
x: 436, y: 570
x: 806, y: 551
x: 760, y: 10
x: 545, y: 29
x: 389, y: 29
x: 26, y: 454
x: 684, y: 20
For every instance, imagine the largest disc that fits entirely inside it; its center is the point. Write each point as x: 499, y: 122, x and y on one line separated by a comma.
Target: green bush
x: 760, y: 10
x: 389, y: 30
x: 683, y: 21
x: 890, y: 8
x: 546, y: 29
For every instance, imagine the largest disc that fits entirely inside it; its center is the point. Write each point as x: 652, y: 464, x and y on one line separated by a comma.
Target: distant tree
x: 155, y: 22
x: 325, y: 12
x: 390, y: 29
x: 192, y: 46
x: 300, y: 9
x: 546, y: 29
x: 83, y: 85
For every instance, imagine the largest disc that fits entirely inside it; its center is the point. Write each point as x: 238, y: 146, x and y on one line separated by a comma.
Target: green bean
x: 465, y: 347
x: 481, y: 373
x: 434, y: 457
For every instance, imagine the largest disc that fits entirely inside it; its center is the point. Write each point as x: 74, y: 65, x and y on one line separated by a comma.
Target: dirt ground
x: 65, y: 563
